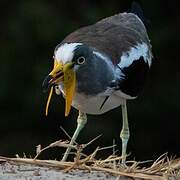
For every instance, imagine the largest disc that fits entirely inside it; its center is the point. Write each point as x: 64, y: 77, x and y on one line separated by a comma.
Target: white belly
x: 91, y: 105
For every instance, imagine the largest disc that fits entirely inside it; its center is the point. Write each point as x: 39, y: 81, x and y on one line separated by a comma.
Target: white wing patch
x: 65, y: 53
x: 134, y: 54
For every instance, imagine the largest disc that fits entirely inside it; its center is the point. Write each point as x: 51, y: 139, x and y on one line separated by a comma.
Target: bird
x: 102, y: 66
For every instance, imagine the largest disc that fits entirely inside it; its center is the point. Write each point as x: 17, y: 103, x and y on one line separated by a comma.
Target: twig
x: 59, y: 143
x: 65, y: 132
x: 85, y: 145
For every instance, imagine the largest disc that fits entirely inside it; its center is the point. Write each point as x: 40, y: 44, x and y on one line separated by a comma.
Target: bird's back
x: 113, y: 36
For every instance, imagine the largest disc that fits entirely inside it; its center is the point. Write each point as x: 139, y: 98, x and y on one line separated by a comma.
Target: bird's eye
x: 81, y: 60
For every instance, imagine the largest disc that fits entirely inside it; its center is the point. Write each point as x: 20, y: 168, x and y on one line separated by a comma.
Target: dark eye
x: 81, y: 60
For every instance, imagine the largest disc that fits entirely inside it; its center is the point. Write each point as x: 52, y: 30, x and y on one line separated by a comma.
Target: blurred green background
x: 29, y: 32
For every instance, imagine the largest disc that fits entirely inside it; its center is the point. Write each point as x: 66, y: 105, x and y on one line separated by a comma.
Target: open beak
x: 66, y: 75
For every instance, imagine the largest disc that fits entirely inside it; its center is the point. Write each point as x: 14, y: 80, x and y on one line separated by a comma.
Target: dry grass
x: 161, y: 169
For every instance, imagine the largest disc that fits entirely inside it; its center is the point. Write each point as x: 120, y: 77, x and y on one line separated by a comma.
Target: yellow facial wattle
x: 62, y: 73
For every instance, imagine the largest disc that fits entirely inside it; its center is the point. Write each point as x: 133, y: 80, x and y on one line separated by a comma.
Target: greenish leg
x: 81, y: 121
x: 124, y: 135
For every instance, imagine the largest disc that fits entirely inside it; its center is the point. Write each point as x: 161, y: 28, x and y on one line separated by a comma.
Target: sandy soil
x: 28, y: 172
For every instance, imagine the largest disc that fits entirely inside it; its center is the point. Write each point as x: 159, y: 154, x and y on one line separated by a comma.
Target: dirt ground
x: 29, y: 172
x: 30, y: 169
x: 88, y: 167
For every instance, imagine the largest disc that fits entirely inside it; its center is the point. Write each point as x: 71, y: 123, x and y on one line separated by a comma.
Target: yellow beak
x: 66, y: 75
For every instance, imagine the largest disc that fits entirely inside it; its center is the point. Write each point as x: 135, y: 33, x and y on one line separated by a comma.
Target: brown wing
x: 113, y: 35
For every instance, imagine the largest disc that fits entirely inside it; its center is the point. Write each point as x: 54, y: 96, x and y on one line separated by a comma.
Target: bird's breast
x: 92, y: 104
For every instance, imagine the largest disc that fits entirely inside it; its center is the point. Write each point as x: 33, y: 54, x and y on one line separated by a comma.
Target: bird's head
x: 68, y: 58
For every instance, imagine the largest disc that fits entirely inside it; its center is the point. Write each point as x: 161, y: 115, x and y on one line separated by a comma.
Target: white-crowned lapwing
x: 99, y: 67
